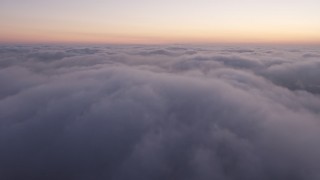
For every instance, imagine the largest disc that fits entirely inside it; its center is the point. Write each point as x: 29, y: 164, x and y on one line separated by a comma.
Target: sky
x: 165, y: 21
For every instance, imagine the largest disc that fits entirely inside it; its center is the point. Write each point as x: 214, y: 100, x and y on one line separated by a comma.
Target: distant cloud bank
x: 159, y: 112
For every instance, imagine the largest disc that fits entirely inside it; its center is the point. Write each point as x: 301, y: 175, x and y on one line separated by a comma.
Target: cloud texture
x: 159, y: 112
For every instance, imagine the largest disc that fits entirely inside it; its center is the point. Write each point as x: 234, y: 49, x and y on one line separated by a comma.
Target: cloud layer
x: 159, y: 112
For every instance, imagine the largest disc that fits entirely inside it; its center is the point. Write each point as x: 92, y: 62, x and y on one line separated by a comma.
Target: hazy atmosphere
x: 165, y: 21
x: 159, y: 90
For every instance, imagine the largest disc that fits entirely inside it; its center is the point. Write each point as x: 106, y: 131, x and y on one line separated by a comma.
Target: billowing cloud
x: 157, y: 112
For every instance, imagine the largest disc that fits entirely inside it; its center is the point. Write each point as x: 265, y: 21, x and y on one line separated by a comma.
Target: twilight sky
x: 165, y: 21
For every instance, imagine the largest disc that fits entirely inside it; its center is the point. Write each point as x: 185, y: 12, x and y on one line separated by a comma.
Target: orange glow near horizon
x: 142, y: 22
x: 161, y: 37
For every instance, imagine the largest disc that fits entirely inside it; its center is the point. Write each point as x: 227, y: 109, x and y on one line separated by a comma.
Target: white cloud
x: 125, y: 112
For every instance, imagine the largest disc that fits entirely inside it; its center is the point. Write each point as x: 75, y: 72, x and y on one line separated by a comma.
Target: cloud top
x: 159, y: 112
